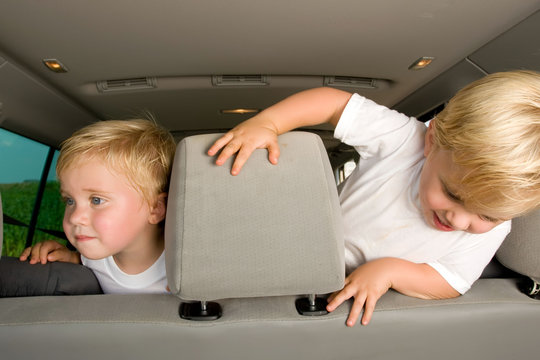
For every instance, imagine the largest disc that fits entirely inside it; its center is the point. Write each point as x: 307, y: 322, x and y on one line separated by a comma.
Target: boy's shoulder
x: 364, y: 119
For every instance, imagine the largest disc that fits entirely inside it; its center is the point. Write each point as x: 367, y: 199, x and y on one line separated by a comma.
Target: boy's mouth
x: 440, y: 225
x: 80, y: 238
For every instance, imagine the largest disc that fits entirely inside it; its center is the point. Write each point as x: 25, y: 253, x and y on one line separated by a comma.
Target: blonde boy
x: 426, y: 208
x: 114, y: 178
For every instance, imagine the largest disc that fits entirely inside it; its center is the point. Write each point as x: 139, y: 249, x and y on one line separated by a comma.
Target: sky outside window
x: 21, y: 159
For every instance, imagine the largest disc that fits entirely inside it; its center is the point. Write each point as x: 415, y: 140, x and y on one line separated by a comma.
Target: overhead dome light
x: 421, y: 63
x: 239, y: 111
x: 55, y: 65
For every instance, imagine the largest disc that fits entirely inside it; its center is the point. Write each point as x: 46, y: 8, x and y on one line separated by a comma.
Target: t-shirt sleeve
x: 378, y: 133
x: 372, y: 129
x: 462, y: 267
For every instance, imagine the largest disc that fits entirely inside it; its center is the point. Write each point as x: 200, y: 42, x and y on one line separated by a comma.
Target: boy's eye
x: 487, y: 218
x: 69, y: 201
x: 453, y: 196
x: 96, y: 200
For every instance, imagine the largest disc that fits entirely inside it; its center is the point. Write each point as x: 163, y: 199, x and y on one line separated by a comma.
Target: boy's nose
x: 78, y: 216
x: 459, y: 219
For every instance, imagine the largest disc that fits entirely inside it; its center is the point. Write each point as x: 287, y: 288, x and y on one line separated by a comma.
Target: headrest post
x: 204, y: 307
x: 530, y: 287
x: 200, y: 311
x: 311, y: 306
x: 311, y: 298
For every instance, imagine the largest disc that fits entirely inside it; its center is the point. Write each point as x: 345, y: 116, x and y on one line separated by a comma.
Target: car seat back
x: 520, y: 251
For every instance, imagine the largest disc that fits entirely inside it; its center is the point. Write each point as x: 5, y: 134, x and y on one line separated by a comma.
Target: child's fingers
x: 273, y: 152
x: 356, y: 309
x: 229, y: 150
x: 331, y: 297
x: 34, y: 254
x: 44, y: 251
x: 24, y: 255
x: 241, y: 158
x: 61, y: 254
x: 219, y: 143
x: 338, y: 299
x: 369, y: 307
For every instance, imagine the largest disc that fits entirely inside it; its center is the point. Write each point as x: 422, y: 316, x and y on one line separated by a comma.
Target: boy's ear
x: 429, y: 138
x: 157, y: 212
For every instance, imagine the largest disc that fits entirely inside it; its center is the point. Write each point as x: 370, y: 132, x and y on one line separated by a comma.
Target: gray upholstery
x: 271, y: 230
x: 493, y: 320
x: 520, y: 250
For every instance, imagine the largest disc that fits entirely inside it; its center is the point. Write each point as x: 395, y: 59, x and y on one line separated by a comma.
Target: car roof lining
x: 184, y: 44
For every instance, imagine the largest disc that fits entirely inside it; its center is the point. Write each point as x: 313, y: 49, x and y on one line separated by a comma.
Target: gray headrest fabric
x: 520, y: 251
x: 271, y: 230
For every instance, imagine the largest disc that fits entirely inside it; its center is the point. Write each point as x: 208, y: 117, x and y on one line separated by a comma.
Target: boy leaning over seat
x: 426, y: 208
x: 113, y: 178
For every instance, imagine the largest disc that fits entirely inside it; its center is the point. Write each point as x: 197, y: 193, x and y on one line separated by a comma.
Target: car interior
x: 251, y: 259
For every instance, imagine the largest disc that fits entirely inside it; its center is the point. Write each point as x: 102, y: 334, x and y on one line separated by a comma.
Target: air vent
x: 240, y: 80
x: 127, y: 84
x: 350, y: 81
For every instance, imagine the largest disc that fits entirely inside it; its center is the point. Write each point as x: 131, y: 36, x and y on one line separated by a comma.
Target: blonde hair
x: 139, y: 149
x: 492, y: 127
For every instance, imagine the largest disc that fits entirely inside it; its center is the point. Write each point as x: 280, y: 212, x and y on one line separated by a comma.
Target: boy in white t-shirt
x: 114, y: 176
x: 426, y: 208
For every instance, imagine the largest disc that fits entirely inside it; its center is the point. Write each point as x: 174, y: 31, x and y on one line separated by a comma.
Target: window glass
x: 21, y: 163
x: 51, y: 212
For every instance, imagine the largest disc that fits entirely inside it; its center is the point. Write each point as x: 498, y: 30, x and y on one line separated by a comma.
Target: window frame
x: 32, y: 225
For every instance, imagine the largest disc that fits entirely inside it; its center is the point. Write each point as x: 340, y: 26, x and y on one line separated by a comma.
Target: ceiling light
x: 421, y: 63
x: 55, y: 65
x: 239, y: 111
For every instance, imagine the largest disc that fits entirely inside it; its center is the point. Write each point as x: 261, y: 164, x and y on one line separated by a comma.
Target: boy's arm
x: 310, y: 107
x: 372, y: 279
x: 49, y: 251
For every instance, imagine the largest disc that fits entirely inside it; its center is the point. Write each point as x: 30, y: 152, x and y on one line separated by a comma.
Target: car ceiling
x: 181, y: 45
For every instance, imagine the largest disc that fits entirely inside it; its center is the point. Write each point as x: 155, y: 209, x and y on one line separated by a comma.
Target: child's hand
x: 49, y: 251
x: 370, y: 281
x: 255, y: 133
x: 366, y: 284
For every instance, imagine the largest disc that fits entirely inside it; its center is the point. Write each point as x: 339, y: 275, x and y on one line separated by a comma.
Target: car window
x: 23, y: 163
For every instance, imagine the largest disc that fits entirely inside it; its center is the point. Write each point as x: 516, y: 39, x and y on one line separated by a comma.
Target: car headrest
x: 271, y: 230
x: 520, y: 251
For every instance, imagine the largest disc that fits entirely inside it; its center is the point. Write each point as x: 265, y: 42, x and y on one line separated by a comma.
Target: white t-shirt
x: 114, y: 281
x: 380, y: 203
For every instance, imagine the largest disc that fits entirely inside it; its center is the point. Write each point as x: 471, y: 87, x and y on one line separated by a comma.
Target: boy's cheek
x: 66, y: 226
x: 482, y: 227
